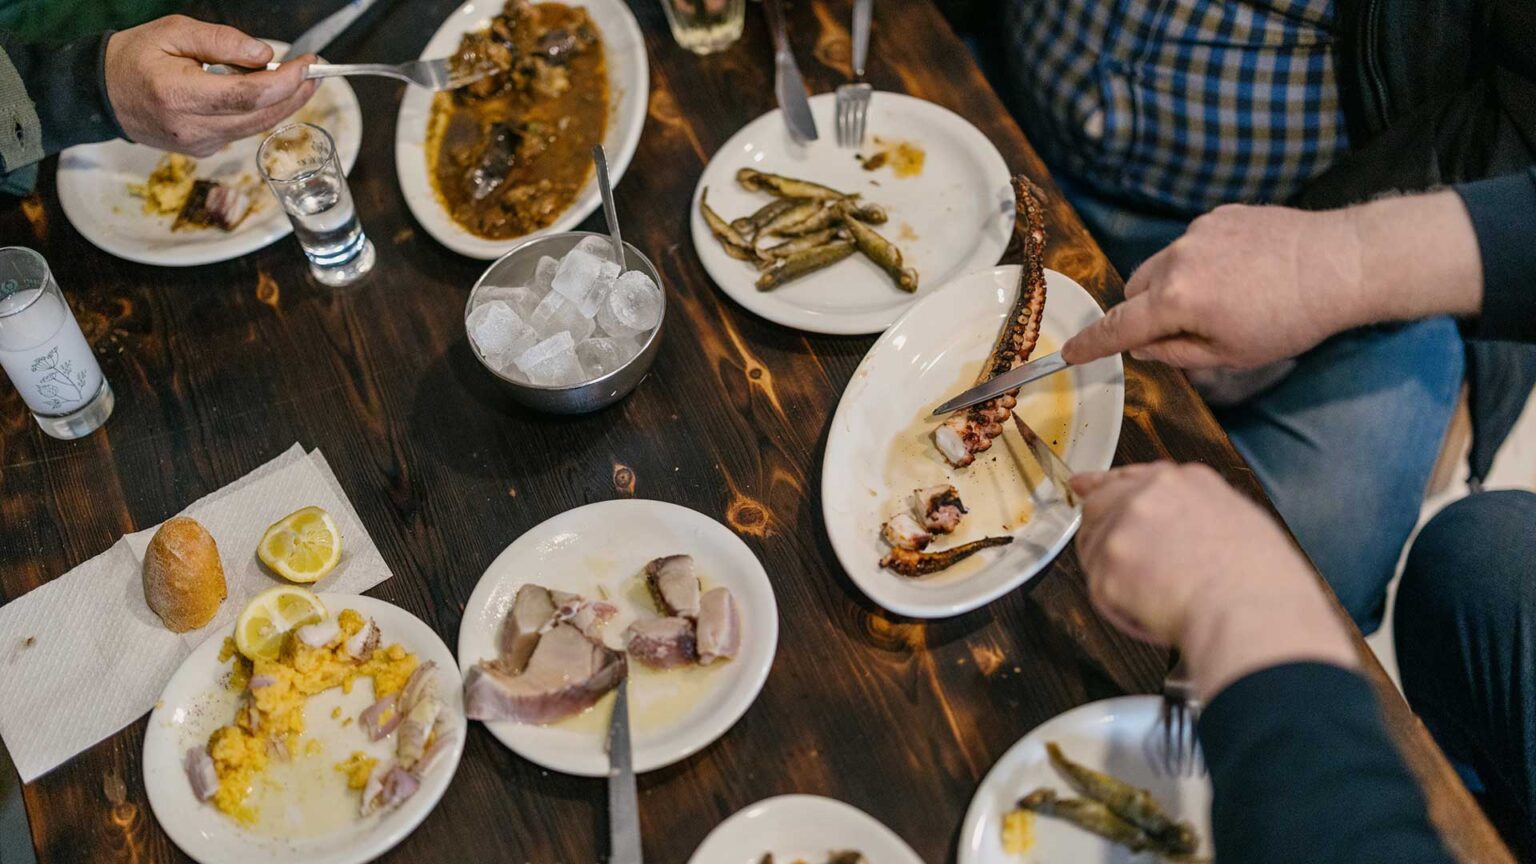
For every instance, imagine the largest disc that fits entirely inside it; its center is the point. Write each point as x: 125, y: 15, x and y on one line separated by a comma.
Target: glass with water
x: 43, y: 351
x: 705, y: 26
x: 299, y: 163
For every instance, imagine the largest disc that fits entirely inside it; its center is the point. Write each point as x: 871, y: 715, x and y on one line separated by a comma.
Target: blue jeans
x: 1345, y: 444
x: 1465, y: 628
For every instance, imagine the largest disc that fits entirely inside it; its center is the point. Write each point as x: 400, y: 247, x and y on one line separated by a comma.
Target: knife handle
x: 777, y: 26
x: 863, y: 10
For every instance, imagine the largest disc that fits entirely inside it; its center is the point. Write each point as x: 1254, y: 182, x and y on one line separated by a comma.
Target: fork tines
x: 852, y: 110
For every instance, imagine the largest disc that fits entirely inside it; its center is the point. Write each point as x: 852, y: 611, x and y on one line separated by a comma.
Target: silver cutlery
x: 853, y: 99
x: 1054, y: 466
x: 1013, y: 379
x: 787, y: 83
x: 600, y: 161
x: 315, y: 39
x: 1181, y: 756
x: 432, y: 74
x: 623, y: 802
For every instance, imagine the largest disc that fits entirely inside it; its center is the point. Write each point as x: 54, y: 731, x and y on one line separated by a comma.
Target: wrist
x: 1419, y: 258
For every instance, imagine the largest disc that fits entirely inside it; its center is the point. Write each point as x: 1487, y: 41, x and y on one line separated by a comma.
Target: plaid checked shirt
x: 1179, y: 104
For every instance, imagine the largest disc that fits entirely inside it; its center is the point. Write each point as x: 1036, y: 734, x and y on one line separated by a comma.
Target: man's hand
x: 1246, y: 286
x: 1174, y: 555
x: 163, y: 98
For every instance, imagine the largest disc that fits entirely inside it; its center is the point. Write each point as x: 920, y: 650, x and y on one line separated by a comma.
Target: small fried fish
x: 1136, y: 806
x: 1090, y: 816
x: 879, y: 250
x: 794, y: 266
x: 787, y: 187
x: 735, y: 245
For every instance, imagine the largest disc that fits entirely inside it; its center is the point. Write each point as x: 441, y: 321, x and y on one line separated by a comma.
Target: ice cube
x: 601, y: 354
x: 550, y: 360
x: 583, y: 278
x: 600, y: 247
x: 544, y: 275
x: 632, y: 306
x: 556, y: 313
x: 522, y: 299
x: 497, y: 329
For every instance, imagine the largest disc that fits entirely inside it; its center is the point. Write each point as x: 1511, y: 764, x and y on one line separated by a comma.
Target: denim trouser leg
x: 1465, y: 628
x: 1345, y: 444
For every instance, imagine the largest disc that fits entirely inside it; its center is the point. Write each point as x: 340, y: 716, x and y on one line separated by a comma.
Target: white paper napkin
x: 83, y: 656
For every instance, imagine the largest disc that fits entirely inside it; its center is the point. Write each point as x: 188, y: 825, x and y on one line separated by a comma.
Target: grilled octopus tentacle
x: 971, y: 430
x: 912, y: 563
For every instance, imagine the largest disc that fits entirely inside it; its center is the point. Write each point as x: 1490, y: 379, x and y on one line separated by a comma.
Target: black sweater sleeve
x: 1303, y: 770
x: 65, y: 85
x: 1503, y: 212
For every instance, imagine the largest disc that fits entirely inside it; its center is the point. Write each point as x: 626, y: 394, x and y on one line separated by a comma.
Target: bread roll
x: 183, y: 577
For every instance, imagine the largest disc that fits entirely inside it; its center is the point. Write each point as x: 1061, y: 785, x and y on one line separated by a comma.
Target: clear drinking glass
x: 43, y: 351
x: 705, y: 26
x: 299, y: 162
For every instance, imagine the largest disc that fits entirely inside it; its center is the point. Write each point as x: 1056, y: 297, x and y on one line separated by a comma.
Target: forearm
x: 1418, y: 258
x: 1303, y: 770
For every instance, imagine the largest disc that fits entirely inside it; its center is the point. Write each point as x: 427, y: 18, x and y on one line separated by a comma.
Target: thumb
x: 216, y: 43
x: 1132, y: 324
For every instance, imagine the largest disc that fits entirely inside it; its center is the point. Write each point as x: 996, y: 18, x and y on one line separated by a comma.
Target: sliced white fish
x: 418, y: 724
x: 662, y: 643
x: 718, y: 635
x: 423, y: 681
x: 673, y: 585
x: 200, y: 771
x: 319, y: 634
x: 533, y: 611
x: 361, y: 645
x: 566, y: 674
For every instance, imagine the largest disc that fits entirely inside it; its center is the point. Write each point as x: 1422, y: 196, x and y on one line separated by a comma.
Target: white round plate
x: 796, y: 827
x: 607, y: 544
x: 629, y: 92
x: 1112, y: 736
x: 953, y: 218
x: 196, y: 702
x: 94, y: 178
x: 879, y: 449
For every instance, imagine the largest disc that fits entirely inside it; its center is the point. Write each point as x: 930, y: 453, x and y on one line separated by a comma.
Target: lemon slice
x: 301, y: 547
x: 270, y: 615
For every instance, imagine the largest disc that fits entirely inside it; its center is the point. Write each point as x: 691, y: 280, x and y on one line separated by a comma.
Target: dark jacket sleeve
x: 1503, y: 212
x: 1303, y: 770
x: 51, y: 97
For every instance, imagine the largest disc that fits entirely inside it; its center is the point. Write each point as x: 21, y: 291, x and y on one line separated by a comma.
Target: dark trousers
x: 1465, y: 628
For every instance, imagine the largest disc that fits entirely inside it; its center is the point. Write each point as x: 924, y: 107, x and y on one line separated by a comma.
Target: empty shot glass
x: 705, y: 26
x: 300, y: 164
x: 43, y: 351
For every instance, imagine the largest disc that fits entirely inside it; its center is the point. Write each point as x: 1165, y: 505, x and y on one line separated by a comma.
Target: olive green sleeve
x: 51, y: 97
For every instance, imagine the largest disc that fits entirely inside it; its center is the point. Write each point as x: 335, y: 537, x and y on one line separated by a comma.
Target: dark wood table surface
x: 219, y: 368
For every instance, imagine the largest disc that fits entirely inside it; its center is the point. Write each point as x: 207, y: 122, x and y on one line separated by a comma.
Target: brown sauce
x: 509, y: 154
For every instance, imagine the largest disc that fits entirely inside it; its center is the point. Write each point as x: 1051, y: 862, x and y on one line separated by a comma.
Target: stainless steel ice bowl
x: 516, y: 268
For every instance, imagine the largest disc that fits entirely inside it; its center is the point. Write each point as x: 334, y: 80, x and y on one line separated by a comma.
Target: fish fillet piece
x: 532, y: 612
x: 674, y: 586
x: 718, y: 632
x: 662, y: 643
x: 566, y: 674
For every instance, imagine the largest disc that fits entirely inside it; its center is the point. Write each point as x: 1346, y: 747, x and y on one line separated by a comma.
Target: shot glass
x: 43, y: 351
x: 299, y: 163
x: 705, y: 26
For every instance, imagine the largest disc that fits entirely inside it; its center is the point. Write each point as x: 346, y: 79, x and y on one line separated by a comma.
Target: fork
x: 1181, y: 756
x: 430, y: 74
x: 853, y: 99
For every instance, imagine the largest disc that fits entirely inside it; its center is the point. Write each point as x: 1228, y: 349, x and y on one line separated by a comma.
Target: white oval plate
x: 607, y: 544
x: 94, y: 178
x: 796, y: 827
x: 1113, y: 736
x: 629, y: 91
x: 959, y: 211
x: 931, y: 354
x: 196, y: 702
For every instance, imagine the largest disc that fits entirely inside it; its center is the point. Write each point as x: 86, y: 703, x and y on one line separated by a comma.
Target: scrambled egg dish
x: 270, y: 723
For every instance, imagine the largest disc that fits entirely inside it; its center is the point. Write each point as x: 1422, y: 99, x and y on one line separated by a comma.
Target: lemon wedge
x: 269, y: 616
x: 301, y: 547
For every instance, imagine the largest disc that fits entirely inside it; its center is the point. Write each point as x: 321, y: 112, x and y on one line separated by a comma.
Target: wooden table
x: 219, y: 368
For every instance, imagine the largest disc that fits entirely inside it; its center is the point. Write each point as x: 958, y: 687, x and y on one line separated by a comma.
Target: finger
x: 1139, y: 321
x: 1148, y: 274
x: 1103, y: 505
x: 233, y: 127
x: 1183, y: 352
x: 211, y: 94
x: 215, y: 43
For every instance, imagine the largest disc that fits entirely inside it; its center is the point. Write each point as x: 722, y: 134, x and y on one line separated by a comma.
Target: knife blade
x: 1054, y: 466
x: 1013, y: 379
x: 315, y: 39
x: 623, y: 802
x: 788, y: 86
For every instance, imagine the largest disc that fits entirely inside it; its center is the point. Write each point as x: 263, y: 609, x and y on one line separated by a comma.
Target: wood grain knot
x: 267, y: 290
x: 664, y: 108
x: 747, y: 516
x: 403, y: 236
x: 623, y: 479
x: 755, y: 373
x: 37, y: 215
x: 895, y: 635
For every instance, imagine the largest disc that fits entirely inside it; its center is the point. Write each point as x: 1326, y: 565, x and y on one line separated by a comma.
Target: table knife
x: 1054, y: 466
x: 787, y: 83
x: 623, y: 802
x: 315, y: 39
x: 1013, y: 379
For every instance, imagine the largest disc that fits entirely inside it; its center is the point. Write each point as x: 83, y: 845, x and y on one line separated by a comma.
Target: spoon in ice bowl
x: 563, y: 326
